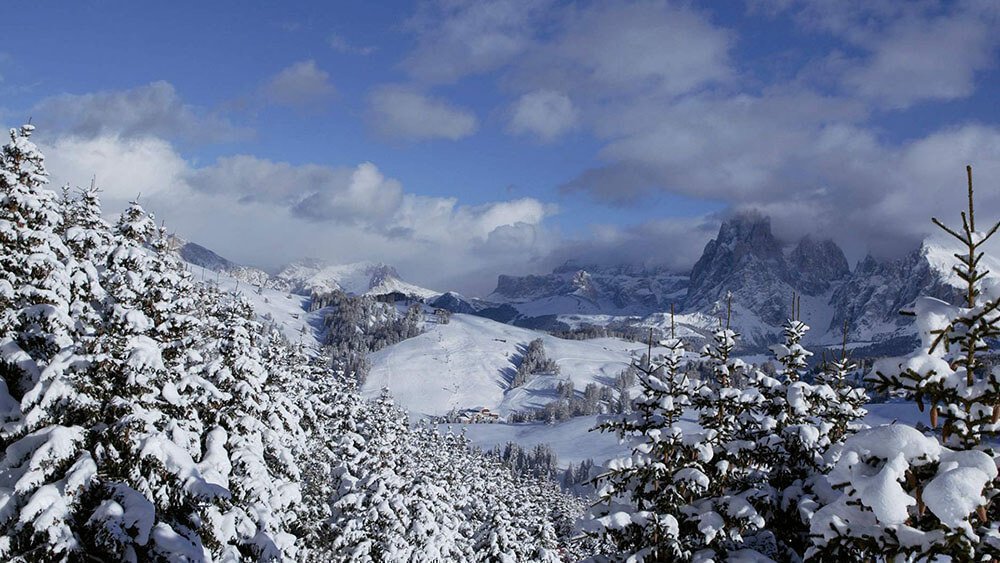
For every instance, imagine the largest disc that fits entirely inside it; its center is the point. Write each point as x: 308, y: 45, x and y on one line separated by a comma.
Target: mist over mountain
x: 745, y: 259
x: 762, y: 274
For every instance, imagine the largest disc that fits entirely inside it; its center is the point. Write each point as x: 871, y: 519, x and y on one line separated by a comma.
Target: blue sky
x: 459, y: 139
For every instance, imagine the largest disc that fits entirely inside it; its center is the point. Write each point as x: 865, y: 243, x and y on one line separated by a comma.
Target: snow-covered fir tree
x: 642, y: 496
x: 908, y: 496
x: 686, y: 495
x: 726, y: 512
x: 88, y: 237
x: 144, y: 416
x: 42, y: 468
x: 34, y: 286
x: 846, y: 407
x: 799, y: 426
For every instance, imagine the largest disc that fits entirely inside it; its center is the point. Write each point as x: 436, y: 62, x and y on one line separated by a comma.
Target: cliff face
x: 747, y: 260
x: 871, y: 299
x: 814, y: 266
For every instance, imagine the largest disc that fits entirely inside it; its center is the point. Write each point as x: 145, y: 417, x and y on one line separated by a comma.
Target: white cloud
x: 269, y: 213
x: 808, y: 161
x: 619, y: 47
x: 544, y: 113
x: 603, y: 53
x: 402, y: 113
x: 301, y: 85
x: 456, y: 38
x: 340, y: 44
x: 735, y: 149
x: 358, y: 195
x: 154, y: 109
x: 910, y: 52
x: 927, y: 59
x: 124, y: 167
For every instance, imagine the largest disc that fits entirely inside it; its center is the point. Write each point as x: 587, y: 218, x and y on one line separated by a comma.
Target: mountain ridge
x: 747, y: 261
x: 744, y: 260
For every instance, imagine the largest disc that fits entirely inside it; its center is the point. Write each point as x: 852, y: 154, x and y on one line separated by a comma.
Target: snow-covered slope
x: 289, y: 312
x: 574, y: 440
x: 470, y: 361
x: 571, y: 440
x: 197, y: 255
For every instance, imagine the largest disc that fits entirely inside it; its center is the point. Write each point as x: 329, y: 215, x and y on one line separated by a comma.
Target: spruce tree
x: 370, y: 514
x: 687, y: 495
x: 907, y: 495
x: 796, y: 434
x: 43, y: 467
x: 641, y: 497
x: 725, y: 512
x: 846, y: 405
x: 88, y: 238
x: 34, y: 287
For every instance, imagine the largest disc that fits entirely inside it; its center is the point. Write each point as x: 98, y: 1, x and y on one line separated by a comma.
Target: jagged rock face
x: 813, y: 265
x: 747, y: 260
x: 532, y: 286
x: 744, y: 240
x: 583, y: 285
x: 871, y: 299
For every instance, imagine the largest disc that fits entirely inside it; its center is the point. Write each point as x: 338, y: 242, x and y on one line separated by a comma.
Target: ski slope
x: 470, y: 361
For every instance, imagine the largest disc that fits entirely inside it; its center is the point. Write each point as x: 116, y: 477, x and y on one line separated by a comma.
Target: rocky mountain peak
x: 381, y: 273
x: 748, y: 260
x: 744, y: 258
x: 751, y: 231
x: 742, y: 239
x: 814, y: 264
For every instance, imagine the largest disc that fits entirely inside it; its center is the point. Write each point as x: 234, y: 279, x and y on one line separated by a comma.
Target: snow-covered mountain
x: 870, y: 300
x: 747, y: 260
x: 198, y: 255
x: 762, y: 273
x: 315, y: 277
x: 307, y: 277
